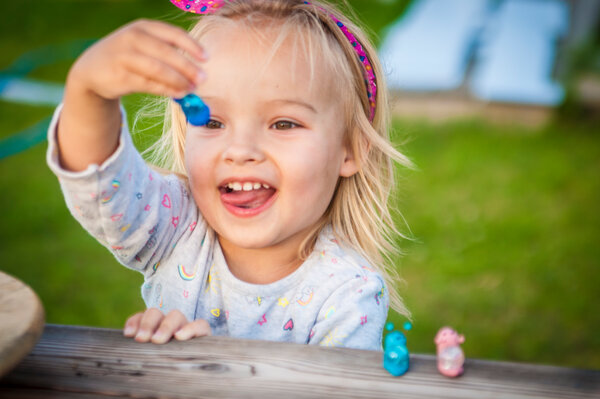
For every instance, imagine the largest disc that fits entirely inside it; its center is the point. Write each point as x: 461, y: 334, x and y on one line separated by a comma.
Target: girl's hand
x: 152, y: 325
x: 142, y: 56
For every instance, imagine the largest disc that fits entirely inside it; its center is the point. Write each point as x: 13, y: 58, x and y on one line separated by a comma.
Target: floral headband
x: 210, y: 6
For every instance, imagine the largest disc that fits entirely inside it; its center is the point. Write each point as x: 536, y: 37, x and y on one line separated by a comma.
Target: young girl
x: 273, y: 222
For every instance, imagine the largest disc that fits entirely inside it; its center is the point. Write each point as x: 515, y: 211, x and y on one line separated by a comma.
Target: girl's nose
x: 244, y: 147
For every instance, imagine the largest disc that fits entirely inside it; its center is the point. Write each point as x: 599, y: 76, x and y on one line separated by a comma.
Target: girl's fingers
x: 197, y: 328
x: 175, y: 36
x: 143, y: 69
x: 150, y: 321
x: 141, y: 84
x: 171, y: 323
x: 132, y: 325
x: 161, y: 50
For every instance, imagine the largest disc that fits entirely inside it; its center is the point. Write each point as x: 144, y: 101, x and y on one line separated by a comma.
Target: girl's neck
x: 262, y: 265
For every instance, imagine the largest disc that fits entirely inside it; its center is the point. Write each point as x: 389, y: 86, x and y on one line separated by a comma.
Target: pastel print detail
x: 289, y: 326
x: 363, y: 320
x: 185, y: 275
x: 211, y: 280
x: 115, y: 186
x: 192, y: 226
x: 333, y: 338
x: 283, y: 302
x: 147, y: 207
x: 263, y: 319
x: 216, y: 312
x: 307, y: 296
x: 330, y: 312
x: 175, y: 221
x: 166, y: 202
x: 117, y: 217
x: 379, y: 295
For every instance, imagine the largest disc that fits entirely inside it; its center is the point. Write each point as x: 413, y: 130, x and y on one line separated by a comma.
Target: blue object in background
x: 395, y: 355
x: 196, y: 112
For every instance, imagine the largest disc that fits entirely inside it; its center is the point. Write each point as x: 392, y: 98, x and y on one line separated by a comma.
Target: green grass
x: 506, y: 239
x: 504, y: 219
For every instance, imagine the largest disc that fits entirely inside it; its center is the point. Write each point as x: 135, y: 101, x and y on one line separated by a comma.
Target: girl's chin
x: 247, y: 241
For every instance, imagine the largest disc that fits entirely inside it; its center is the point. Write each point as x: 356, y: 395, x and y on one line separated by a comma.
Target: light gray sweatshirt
x: 151, y: 224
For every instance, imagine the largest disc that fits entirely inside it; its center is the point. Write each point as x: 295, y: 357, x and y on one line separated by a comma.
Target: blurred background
x: 498, y: 104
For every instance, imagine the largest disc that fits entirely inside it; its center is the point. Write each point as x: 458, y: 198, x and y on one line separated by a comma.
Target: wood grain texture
x: 21, y: 321
x: 79, y: 362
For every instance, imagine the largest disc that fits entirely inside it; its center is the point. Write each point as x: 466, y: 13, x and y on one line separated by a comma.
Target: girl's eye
x: 284, y: 125
x: 213, y: 124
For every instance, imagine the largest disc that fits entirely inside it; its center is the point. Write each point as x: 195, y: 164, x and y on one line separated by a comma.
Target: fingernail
x: 129, y: 331
x: 143, y: 335
x: 159, y: 337
x: 181, y: 335
x: 200, y: 76
x: 203, y: 54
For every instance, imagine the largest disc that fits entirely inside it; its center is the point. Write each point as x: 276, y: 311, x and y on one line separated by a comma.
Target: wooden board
x: 21, y: 321
x: 85, y: 362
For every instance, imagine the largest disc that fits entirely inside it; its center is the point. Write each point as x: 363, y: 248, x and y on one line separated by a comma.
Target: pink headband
x: 210, y: 6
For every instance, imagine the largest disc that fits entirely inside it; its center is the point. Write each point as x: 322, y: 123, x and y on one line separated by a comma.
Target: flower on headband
x: 199, y: 6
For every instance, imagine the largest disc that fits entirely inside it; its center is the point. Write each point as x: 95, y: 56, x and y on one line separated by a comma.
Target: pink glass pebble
x: 450, y: 356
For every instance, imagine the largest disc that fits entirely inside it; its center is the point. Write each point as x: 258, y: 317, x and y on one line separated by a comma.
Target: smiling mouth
x: 249, y: 196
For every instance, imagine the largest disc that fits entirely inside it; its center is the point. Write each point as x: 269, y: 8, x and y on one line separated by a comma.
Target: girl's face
x: 264, y: 169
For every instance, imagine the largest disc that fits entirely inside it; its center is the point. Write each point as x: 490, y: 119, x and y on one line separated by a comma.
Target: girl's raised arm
x: 144, y: 56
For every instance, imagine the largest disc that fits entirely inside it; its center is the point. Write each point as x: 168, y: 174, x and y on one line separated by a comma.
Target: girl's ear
x: 349, y: 166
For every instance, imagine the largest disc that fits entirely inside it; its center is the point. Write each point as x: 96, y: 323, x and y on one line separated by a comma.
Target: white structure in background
x: 516, y: 59
x: 512, y: 41
x: 429, y: 48
x: 30, y: 91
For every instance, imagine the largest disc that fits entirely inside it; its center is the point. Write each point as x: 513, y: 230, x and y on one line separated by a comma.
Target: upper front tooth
x: 256, y: 186
x: 266, y: 186
x: 236, y: 186
x: 248, y: 186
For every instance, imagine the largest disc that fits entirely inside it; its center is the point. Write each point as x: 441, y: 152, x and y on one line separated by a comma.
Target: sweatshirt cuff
x: 52, y: 154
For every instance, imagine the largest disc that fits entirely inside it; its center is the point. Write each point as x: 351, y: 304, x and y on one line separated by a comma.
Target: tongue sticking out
x: 247, y: 199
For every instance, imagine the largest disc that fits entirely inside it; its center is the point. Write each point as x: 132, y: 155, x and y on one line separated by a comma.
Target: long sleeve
x: 137, y: 213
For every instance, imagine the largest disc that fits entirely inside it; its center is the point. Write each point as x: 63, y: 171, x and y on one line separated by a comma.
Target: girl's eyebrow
x: 286, y: 101
x: 283, y: 101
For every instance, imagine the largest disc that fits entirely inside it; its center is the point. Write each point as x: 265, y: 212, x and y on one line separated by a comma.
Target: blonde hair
x: 359, y: 212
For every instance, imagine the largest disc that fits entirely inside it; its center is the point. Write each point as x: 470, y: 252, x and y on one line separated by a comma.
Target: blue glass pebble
x: 395, y: 356
x: 196, y: 112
